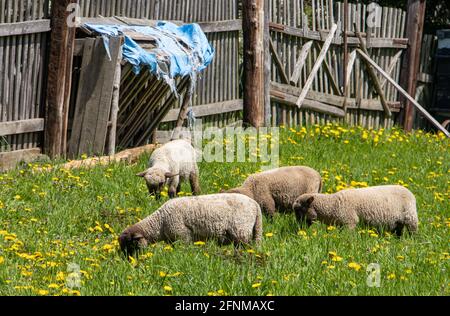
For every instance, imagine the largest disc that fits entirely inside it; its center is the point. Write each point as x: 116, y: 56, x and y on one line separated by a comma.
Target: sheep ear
x: 142, y: 174
x: 310, y: 200
x: 170, y: 175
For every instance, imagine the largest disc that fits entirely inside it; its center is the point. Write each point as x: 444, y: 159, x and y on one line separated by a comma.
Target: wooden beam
x: 60, y: 40
x: 9, y: 160
x: 112, y: 133
x: 334, y: 84
x: 317, y: 65
x: 184, y: 109
x: 278, y: 62
x: 21, y: 127
x: 208, y: 109
x: 300, y: 63
x: 410, y: 68
x: 254, y: 94
x: 335, y: 100
x: 373, y: 75
x: 221, y: 26
x: 313, y: 105
x: 406, y: 94
x: 392, y: 67
x: 400, y: 43
x: 267, y: 67
x: 23, y: 28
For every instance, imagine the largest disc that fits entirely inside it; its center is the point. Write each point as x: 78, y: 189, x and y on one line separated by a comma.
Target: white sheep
x: 228, y: 218
x: 391, y: 207
x: 171, y: 164
x: 279, y: 188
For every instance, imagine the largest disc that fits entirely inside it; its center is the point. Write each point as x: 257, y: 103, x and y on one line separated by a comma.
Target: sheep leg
x: 399, y: 229
x: 173, y: 191
x: 268, y: 207
x: 195, y: 184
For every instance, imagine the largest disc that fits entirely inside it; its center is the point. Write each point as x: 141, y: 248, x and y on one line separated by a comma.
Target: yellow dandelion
x: 167, y: 288
x: 256, y: 285
x: 269, y: 235
x: 199, y: 243
x: 354, y: 266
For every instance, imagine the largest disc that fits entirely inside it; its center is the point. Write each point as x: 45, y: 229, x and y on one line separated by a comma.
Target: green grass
x: 49, y: 220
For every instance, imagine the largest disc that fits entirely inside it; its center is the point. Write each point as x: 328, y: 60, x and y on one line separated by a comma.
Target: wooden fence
x: 300, y: 26
x: 24, y: 27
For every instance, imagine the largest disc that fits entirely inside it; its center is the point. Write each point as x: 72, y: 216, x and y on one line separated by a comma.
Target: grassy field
x: 50, y: 222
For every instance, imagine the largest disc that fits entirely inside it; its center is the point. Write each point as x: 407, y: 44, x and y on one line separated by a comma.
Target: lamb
x: 229, y: 218
x: 171, y: 164
x: 279, y: 188
x: 391, y: 207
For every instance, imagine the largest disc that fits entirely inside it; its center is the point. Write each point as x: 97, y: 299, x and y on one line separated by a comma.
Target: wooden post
x: 373, y: 75
x: 410, y: 68
x: 346, y: 56
x: 112, y: 137
x: 62, y: 40
x: 267, y: 67
x: 254, y: 85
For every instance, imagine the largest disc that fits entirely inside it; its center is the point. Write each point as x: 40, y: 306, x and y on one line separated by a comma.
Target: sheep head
x: 304, y: 210
x: 132, y: 240
x: 156, y: 180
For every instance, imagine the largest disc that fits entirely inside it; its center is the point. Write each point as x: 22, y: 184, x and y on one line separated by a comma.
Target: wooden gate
x: 299, y: 29
x: 24, y: 27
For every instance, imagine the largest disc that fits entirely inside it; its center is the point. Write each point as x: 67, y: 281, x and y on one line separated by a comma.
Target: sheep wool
x: 172, y: 164
x: 279, y: 188
x: 228, y: 218
x: 392, y: 207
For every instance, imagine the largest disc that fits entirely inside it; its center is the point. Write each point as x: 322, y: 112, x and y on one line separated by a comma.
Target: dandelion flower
x: 269, y: 235
x: 167, y: 288
x: 355, y: 266
x: 199, y: 243
x: 256, y: 285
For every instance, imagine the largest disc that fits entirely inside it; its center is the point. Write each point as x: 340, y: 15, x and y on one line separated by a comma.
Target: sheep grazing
x: 229, y: 218
x: 391, y: 207
x: 279, y: 188
x: 171, y: 164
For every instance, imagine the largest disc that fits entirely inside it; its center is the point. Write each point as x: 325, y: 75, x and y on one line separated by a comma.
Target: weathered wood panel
x: 94, y: 98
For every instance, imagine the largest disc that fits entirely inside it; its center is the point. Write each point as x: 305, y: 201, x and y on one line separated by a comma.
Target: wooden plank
x: 320, y: 36
x: 208, y: 109
x: 374, y: 77
x: 96, y: 90
x: 21, y: 127
x: 278, y: 62
x: 352, y: 103
x: 317, y: 65
x: 313, y: 105
x: 221, y: 26
x: 9, y: 160
x: 300, y: 63
x: 22, y: 28
x: 406, y: 94
x: 112, y: 135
